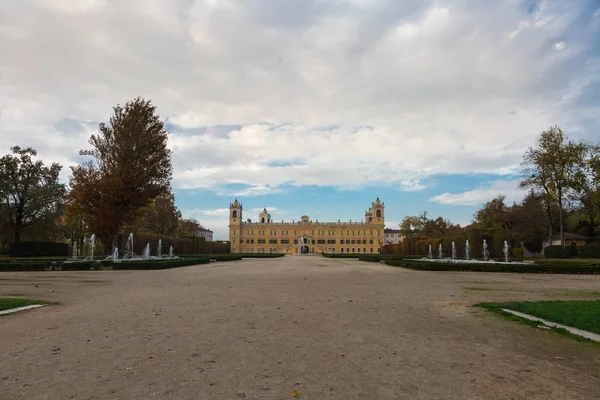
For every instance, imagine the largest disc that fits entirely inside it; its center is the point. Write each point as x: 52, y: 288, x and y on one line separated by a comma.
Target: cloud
x: 266, y: 95
x: 270, y: 210
x: 218, y: 212
x: 482, y: 194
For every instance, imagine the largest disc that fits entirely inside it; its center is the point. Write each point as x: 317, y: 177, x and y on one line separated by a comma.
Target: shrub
x: 37, y: 266
x: 159, y: 264
x: 39, y: 249
x: 481, y: 267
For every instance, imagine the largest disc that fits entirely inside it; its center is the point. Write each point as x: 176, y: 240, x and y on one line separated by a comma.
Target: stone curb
x: 14, y: 310
x: 579, y: 332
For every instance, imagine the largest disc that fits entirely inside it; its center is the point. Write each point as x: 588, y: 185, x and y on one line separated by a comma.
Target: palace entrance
x: 304, y: 249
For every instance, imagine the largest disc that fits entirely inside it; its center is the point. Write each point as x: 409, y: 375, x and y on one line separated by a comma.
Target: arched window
x: 378, y: 213
x: 262, y: 220
x: 370, y: 219
x: 234, y: 215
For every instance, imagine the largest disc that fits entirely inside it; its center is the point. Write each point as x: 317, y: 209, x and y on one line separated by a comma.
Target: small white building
x: 392, y: 236
x: 207, y: 234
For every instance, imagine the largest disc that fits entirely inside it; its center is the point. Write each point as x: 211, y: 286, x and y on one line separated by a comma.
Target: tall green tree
x: 413, y: 224
x: 30, y: 193
x: 130, y: 166
x: 553, y: 168
x: 161, y: 217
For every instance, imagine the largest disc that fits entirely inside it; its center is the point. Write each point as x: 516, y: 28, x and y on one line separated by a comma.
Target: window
x: 272, y: 241
x: 347, y: 250
x: 364, y: 250
x: 371, y: 249
x: 364, y: 241
x: 331, y: 241
x: 342, y: 250
x: 378, y: 213
x: 353, y: 241
x: 353, y: 249
x: 262, y: 220
x: 371, y: 241
x: 261, y: 241
x: 234, y: 232
x: 295, y: 241
x: 320, y: 241
x: 285, y: 241
x: 234, y: 215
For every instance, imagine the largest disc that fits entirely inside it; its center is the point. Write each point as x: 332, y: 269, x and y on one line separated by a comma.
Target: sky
x: 309, y: 107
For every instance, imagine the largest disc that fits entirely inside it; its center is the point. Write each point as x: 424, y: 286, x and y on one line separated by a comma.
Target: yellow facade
x: 306, y: 236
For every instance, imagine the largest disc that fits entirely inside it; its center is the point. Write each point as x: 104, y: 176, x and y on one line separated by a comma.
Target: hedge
x: 480, y: 267
x: 159, y: 264
x: 123, y: 265
x: 587, y: 251
x: 39, y: 266
x: 341, y: 255
x: 39, y: 249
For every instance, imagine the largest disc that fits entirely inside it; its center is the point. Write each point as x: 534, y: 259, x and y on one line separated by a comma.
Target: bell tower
x: 264, y: 217
x: 377, y: 211
x: 235, y: 223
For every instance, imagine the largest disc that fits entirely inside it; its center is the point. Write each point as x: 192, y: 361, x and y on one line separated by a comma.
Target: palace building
x: 306, y: 236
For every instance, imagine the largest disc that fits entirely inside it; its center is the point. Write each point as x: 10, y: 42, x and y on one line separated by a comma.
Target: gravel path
x: 260, y: 329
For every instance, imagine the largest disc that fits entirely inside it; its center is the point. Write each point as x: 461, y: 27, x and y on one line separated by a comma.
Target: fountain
x: 116, y: 255
x: 92, y: 242
x: 486, y: 253
x: 468, y: 259
x: 159, y: 249
x: 146, y: 254
x: 170, y: 251
x: 129, y: 254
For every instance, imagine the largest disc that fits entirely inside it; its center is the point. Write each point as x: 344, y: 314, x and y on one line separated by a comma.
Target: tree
x: 130, y: 167
x: 30, y: 193
x: 188, y: 227
x: 529, y: 221
x: 553, y: 168
x: 412, y: 225
x: 161, y: 217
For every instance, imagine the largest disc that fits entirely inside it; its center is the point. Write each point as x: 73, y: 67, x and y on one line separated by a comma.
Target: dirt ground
x: 262, y: 328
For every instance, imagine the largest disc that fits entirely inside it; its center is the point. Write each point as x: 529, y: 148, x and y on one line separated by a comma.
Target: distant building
x: 571, y: 239
x: 207, y: 234
x: 393, y: 236
x: 306, y: 236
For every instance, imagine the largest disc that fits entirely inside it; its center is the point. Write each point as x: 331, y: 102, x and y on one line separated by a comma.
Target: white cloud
x: 482, y: 194
x: 344, y: 93
x: 218, y: 212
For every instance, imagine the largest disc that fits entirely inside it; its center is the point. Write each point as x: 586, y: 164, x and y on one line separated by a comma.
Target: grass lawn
x: 7, y: 304
x: 577, y: 314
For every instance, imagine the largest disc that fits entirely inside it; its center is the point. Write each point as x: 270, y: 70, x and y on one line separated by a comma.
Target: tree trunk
x: 561, y: 219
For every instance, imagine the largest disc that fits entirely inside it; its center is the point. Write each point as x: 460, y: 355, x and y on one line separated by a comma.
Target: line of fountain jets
x: 129, y: 254
x: 486, y: 253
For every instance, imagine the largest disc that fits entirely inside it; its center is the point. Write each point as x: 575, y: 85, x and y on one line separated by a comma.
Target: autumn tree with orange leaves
x: 130, y: 166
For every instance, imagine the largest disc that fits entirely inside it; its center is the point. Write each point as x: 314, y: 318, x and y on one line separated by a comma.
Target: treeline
x: 122, y: 187
x: 563, y: 178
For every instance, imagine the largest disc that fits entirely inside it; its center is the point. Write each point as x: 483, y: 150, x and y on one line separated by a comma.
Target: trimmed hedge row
x: 235, y: 256
x: 475, y: 267
x: 587, y: 251
x: 37, y: 249
x: 39, y: 266
x: 159, y: 264
x: 123, y: 265
x: 341, y: 255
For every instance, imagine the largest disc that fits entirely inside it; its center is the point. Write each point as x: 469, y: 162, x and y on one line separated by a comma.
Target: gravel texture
x: 264, y: 328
